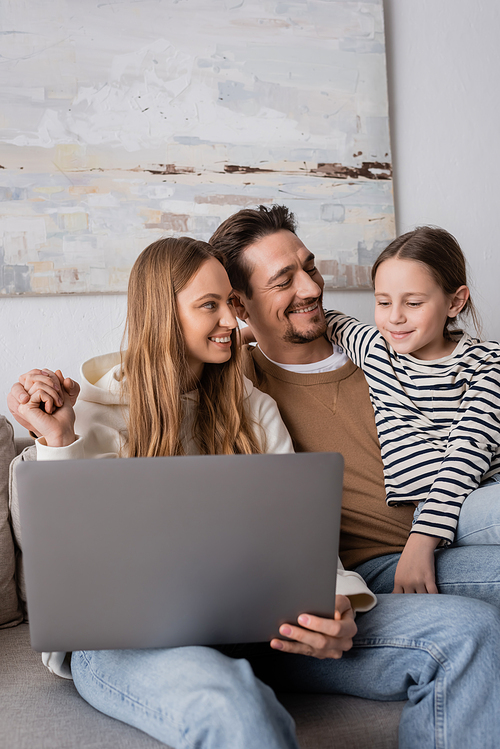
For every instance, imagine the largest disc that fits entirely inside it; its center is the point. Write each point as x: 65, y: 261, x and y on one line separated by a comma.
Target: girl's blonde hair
x: 155, y: 368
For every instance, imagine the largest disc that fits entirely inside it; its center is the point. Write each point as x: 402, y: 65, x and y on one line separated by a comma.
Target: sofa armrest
x: 21, y: 442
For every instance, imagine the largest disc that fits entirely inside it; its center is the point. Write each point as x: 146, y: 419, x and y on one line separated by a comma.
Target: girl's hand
x: 415, y: 572
x: 318, y: 637
x: 46, y: 407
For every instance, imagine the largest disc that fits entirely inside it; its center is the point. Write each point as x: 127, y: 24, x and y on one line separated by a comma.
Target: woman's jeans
x: 442, y: 653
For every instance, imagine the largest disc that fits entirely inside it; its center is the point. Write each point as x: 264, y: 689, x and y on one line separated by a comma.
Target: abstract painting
x: 123, y: 121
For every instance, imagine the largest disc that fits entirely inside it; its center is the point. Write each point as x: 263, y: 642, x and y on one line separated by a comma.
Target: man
x: 324, y: 401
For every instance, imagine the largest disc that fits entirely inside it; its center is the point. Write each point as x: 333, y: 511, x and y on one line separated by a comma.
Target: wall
x: 443, y: 67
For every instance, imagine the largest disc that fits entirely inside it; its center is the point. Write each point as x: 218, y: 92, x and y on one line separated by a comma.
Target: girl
x: 436, y: 395
x: 177, y: 389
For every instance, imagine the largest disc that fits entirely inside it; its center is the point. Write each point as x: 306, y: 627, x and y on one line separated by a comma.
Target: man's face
x: 287, y: 290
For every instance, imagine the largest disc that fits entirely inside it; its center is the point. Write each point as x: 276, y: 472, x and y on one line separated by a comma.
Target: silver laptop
x: 164, y: 552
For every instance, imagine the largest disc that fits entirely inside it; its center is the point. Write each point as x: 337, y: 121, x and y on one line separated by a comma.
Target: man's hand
x: 321, y: 638
x: 53, y: 384
x: 415, y: 571
x: 42, y: 401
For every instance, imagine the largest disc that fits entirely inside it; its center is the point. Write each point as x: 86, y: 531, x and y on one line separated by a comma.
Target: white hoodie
x: 101, y: 426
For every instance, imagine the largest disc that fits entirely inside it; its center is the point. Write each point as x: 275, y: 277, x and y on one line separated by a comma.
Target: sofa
x: 41, y: 711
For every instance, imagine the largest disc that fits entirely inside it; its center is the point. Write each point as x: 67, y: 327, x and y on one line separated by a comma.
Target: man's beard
x: 317, y: 329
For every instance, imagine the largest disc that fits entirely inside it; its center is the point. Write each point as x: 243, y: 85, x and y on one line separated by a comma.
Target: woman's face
x: 207, y: 317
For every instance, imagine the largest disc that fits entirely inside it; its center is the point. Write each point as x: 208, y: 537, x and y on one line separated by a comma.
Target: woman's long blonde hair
x: 155, y: 368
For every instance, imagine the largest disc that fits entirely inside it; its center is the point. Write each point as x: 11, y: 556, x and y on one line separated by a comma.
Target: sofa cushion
x: 337, y: 721
x: 10, y: 612
x: 28, y: 453
x: 39, y: 709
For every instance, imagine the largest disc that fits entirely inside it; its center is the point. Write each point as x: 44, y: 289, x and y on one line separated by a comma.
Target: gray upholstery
x: 24, y: 452
x: 41, y: 711
x: 38, y: 710
x: 327, y: 721
x: 10, y: 610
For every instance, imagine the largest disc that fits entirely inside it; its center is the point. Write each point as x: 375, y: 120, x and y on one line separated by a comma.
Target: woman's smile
x: 224, y: 341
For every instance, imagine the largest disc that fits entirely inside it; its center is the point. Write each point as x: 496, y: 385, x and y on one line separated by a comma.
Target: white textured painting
x: 124, y: 121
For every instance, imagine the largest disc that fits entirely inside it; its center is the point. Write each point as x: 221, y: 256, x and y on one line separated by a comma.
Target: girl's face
x: 411, y: 309
x: 207, y: 317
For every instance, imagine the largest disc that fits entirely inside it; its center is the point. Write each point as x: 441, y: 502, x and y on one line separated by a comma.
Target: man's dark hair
x: 241, y: 230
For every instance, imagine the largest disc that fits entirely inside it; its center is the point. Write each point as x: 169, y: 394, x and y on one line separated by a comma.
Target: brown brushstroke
x: 235, y: 169
x: 167, y: 169
x: 334, y: 170
x: 323, y: 169
x: 339, y: 171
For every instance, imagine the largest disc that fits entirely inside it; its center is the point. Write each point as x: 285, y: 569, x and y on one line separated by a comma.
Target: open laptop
x: 164, y: 552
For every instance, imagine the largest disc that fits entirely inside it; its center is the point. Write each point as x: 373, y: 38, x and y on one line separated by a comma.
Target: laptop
x: 173, y: 551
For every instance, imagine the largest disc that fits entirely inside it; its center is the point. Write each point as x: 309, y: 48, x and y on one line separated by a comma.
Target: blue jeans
x: 442, y: 653
x: 470, y: 566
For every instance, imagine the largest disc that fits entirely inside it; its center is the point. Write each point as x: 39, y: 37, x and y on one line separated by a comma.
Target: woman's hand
x: 415, y: 572
x: 321, y: 638
x: 19, y: 393
x: 42, y: 401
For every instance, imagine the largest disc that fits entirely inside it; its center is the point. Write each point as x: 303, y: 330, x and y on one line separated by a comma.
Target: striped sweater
x: 438, y: 421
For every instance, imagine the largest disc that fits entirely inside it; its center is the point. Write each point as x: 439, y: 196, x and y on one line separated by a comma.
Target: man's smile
x: 303, y: 310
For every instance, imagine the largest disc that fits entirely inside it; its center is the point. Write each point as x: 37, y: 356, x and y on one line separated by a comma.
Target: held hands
x: 321, y: 638
x: 415, y: 571
x: 42, y: 401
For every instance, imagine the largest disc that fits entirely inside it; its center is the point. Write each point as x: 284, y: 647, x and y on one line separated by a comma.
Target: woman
x: 177, y: 389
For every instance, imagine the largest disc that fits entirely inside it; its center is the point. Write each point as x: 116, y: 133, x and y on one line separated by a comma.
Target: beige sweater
x: 331, y: 412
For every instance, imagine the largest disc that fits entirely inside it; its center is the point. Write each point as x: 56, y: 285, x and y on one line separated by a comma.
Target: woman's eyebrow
x: 210, y: 295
